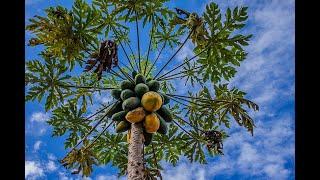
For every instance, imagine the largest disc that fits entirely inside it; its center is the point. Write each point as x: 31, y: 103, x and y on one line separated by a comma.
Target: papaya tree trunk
x: 135, y: 153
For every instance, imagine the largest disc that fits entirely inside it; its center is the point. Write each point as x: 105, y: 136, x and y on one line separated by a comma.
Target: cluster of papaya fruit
x: 140, y: 102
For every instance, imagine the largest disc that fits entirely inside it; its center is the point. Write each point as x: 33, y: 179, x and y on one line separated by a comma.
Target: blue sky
x: 267, y: 75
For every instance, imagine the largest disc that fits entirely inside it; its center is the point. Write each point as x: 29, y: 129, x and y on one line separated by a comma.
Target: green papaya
x: 163, y: 126
x: 140, y: 79
x: 126, y: 84
x: 165, y: 98
x: 165, y: 113
x: 125, y: 94
x: 147, y: 138
x: 149, y: 79
x: 141, y: 89
x: 114, y: 109
x: 115, y: 93
x: 123, y: 126
x: 134, y: 73
x: 119, y: 116
x: 154, y: 85
x: 130, y: 103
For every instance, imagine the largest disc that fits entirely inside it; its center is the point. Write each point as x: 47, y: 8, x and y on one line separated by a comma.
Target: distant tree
x: 90, y: 36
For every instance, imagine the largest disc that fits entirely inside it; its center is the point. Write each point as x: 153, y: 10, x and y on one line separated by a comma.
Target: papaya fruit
x: 165, y: 98
x: 123, y: 126
x: 151, y: 123
x: 149, y: 79
x: 134, y: 73
x: 147, y: 138
x: 126, y: 84
x: 136, y: 115
x: 129, y: 136
x: 151, y: 101
x: 163, y: 126
x: 119, y: 116
x: 153, y: 85
x: 140, y: 79
x: 130, y: 103
x: 165, y: 113
x: 141, y: 89
x: 125, y: 94
x: 115, y: 93
x: 117, y: 107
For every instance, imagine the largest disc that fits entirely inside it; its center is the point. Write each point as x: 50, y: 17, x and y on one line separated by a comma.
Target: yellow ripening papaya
x: 136, y: 115
x: 151, y: 123
x: 129, y: 136
x: 151, y: 101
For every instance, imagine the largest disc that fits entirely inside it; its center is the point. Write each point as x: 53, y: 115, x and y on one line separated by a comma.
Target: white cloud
x: 51, y: 157
x: 51, y: 166
x: 248, y: 154
x: 107, y: 177
x: 180, y: 172
x: 184, y: 171
x: 200, y: 175
x: 272, y: 146
x: 36, y: 145
x: 39, y: 117
x: 62, y: 176
x: 37, y: 125
x: 33, y: 170
x: 275, y: 170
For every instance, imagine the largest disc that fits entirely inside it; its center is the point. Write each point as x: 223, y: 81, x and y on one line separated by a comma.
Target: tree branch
x: 126, y: 75
x: 138, y: 38
x: 149, y: 47
x: 104, y: 129
x: 191, y: 102
x: 116, y: 33
x: 181, y: 72
x: 187, y: 60
x: 164, y: 44
x: 184, y: 42
x: 116, y: 74
x: 189, y: 123
x: 85, y: 87
x: 92, y: 129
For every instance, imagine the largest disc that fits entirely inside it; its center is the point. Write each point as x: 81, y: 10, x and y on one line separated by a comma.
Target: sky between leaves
x: 267, y: 75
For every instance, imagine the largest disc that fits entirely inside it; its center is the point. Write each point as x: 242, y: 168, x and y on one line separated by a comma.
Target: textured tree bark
x: 135, y: 154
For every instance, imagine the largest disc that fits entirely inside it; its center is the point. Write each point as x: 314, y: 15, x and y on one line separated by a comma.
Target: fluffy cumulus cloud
x: 51, y: 157
x: 62, y: 176
x: 37, y: 145
x: 108, y: 177
x: 39, y: 117
x: 51, y: 166
x: 184, y: 171
x: 33, y: 170
x: 37, y: 125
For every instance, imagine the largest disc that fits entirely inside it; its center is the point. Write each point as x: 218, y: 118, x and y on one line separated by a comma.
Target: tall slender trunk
x: 135, y: 153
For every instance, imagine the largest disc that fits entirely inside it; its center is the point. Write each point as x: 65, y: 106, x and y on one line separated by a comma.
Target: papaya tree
x: 148, y: 120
